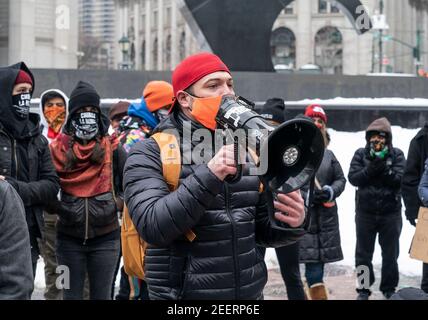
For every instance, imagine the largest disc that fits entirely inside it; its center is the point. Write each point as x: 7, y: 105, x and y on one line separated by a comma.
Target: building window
x: 143, y: 54
x: 143, y: 21
x: 283, y: 47
x: 168, y: 52
x: 155, y: 19
x: 334, y: 8
x: 132, y: 54
x: 167, y: 21
x: 322, y: 6
x: 182, y: 46
x: 289, y: 9
x: 155, y: 54
x: 329, y: 50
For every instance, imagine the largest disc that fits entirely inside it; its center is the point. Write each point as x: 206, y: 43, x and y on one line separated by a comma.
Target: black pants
x: 424, y: 284
x: 288, y: 259
x: 97, y: 259
x: 389, y: 230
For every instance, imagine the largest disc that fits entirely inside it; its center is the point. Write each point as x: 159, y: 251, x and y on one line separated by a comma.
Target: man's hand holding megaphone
x: 290, y: 207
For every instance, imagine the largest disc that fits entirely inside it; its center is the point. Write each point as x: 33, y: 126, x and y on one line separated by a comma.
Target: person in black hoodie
x: 416, y: 157
x: 25, y: 160
x: 376, y: 171
x: 89, y: 163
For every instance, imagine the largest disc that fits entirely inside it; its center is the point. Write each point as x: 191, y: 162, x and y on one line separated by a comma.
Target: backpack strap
x: 171, y: 164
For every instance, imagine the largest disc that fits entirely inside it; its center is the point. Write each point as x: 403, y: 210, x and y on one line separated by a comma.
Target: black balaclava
x: 81, y: 124
x: 14, y: 120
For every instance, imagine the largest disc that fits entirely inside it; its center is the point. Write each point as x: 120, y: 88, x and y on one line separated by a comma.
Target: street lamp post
x: 124, y: 47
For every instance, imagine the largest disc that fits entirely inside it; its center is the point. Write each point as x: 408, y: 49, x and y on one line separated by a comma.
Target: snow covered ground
x: 344, y: 144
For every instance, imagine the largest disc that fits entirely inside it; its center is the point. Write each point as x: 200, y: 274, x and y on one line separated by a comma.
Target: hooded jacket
x: 16, y: 274
x: 141, y: 111
x: 43, y: 122
x: 416, y: 157
x: 25, y: 159
x: 378, y: 195
x: 223, y: 262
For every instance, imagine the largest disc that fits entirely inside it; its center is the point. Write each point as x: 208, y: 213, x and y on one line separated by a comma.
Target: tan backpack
x: 133, y: 246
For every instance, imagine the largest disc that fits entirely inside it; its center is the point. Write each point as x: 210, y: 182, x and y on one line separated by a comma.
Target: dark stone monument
x: 240, y: 30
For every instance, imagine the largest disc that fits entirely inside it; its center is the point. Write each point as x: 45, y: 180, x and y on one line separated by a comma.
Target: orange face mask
x: 205, y: 110
x: 55, y: 117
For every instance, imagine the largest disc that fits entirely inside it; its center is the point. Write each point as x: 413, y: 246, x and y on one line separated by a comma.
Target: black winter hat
x: 273, y: 110
x: 83, y: 95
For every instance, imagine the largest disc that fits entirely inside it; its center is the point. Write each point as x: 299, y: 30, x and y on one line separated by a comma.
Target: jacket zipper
x: 234, y: 248
x: 16, y: 159
x: 86, y: 220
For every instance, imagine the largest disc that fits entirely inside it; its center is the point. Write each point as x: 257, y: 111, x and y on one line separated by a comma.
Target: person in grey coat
x: 16, y: 273
x: 321, y: 244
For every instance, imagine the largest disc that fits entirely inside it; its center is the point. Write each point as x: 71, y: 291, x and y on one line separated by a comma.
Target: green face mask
x: 379, y: 154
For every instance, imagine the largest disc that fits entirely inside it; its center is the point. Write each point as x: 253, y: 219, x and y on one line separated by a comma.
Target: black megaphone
x: 293, y: 150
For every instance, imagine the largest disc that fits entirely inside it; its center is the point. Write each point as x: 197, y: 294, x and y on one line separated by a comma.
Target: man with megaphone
x: 227, y: 220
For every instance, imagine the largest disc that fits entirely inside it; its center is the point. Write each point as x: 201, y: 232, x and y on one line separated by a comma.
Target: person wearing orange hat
x: 223, y: 261
x: 322, y: 244
x: 25, y: 160
x: 136, y: 126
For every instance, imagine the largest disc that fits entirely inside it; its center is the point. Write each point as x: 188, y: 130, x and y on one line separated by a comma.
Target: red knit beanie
x: 23, y: 77
x: 194, y: 68
x: 315, y: 110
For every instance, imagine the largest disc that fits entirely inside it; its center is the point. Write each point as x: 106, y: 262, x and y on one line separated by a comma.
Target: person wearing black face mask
x: 25, y: 160
x: 89, y: 163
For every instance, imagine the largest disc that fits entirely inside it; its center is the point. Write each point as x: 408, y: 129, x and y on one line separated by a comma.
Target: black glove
x: 321, y: 196
x: 412, y: 222
x: 376, y: 167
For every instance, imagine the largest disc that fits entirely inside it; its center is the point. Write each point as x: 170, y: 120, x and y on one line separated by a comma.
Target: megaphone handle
x: 236, y: 177
x: 276, y: 224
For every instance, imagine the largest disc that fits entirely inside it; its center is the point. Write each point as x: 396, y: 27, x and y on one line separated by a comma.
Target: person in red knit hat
x: 322, y: 243
x: 228, y: 221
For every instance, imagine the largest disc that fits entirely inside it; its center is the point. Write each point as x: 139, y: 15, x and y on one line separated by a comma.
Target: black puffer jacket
x: 378, y: 195
x: 25, y: 158
x: 418, y: 153
x: 228, y: 220
x: 322, y: 242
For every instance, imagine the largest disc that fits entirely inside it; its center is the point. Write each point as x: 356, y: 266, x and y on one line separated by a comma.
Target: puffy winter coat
x: 322, y: 242
x: 228, y: 220
x: 378, y: 195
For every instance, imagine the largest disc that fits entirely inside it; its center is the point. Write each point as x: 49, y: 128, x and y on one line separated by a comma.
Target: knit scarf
x: 86, y: 179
